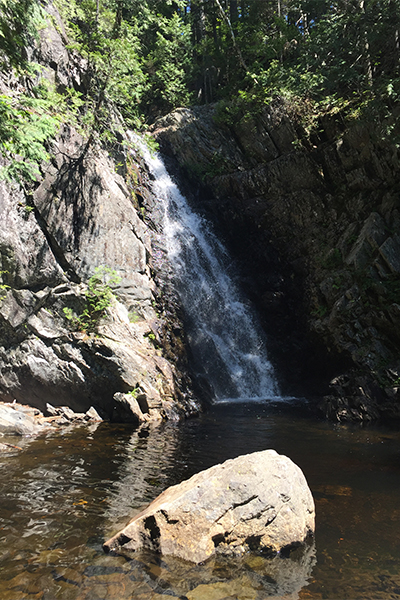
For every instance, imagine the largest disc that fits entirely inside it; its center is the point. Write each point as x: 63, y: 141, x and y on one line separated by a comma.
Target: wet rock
x: 260, y: 501
x: 17, y: 420
x: 354, y: 399
x: 238, y: 589
x: 67, y: 415
x: 128, y: 410
x: 93, y: 415
x: 311, y: 222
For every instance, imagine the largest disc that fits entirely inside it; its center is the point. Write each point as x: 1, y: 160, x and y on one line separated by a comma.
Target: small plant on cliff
x: 3, y: 287
x: 98, y: 298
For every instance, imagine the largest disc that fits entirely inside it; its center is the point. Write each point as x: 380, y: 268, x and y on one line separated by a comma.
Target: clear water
x: 225, y: 338
x: 64, y: 494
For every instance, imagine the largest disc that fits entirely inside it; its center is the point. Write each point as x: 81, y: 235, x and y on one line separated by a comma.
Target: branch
x: 227, y: 21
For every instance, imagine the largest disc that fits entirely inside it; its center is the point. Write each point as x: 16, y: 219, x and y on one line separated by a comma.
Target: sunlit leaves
x: 167, y: 63
x: 18, y: 20
x: 26, y: 123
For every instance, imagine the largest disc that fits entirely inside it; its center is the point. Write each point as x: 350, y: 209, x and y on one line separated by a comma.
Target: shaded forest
x: 147, y: 57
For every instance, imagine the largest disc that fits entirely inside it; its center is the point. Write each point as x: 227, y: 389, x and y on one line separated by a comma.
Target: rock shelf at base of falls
x: 259, y: 501
x: 22, y: 420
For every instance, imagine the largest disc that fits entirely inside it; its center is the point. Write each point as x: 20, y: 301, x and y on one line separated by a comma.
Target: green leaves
x: 26, y: 124
x: 18, y: 21
x: 168, y: 64
x: 98, y: 298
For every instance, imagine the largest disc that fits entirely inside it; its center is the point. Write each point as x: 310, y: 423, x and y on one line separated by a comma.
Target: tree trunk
x: 365, y: 43
x: 233, y: 11
x: 227, y: 21
x: 199, y: 21
x: 118, y: 20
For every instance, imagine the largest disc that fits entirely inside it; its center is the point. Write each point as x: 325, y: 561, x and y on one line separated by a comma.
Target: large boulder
x: 259, y: 501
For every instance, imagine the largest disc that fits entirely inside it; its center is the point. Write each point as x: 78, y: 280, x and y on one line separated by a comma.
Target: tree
x: 17, y: 23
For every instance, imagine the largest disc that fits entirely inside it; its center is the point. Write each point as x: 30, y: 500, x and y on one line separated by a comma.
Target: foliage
x: 167, y: 64
x: 30, y: 119
x: 18, y: 22
x: 137, y: 58
x: 150, y: 56
x: 98, y: 298
x: 133, y: 317
x: 134, y: 393
x: 3, y: 287
x: 320, y: 56
x: 147, y: 57
x: 26, y: 123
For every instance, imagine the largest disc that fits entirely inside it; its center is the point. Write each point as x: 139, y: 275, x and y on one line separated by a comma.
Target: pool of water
x: 63, y: 494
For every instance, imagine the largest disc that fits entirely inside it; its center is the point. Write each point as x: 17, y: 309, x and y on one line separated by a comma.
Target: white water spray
x: 228, y: 350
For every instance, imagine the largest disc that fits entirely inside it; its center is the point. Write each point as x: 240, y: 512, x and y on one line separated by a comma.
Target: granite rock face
x: 315, y: 225
x: 259, y: 501
x: 82, y: 215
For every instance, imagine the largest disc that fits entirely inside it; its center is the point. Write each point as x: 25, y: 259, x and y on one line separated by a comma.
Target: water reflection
x: 64, y: 494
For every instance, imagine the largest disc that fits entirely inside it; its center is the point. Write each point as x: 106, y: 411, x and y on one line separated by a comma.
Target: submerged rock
x: 259, y: 501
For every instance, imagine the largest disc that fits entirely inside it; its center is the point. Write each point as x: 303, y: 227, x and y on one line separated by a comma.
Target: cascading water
x: 224, y: 336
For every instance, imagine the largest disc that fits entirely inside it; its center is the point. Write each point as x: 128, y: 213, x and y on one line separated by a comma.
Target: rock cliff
x: 315, y: 226
x: 81, y: 214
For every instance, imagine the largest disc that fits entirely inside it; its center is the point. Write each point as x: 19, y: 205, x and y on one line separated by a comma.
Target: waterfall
x: 225, y: 338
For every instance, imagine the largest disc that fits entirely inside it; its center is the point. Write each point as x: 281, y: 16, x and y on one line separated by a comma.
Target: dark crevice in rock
x: 168, y: 519
x: 119, y: 543
x: 288, y: 550
x: 150, y: 524
x: 253, y: 542
x: 247, y: 501
x: 270, y: 520
x: 218, y: 539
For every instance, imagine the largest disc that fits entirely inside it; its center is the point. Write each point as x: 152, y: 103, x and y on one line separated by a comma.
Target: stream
x: 65, y: 493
